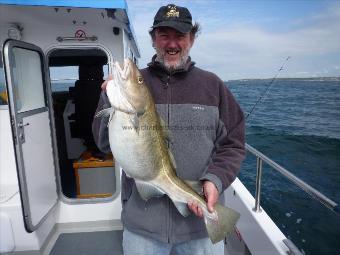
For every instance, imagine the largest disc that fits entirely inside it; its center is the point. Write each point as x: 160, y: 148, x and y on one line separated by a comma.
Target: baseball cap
x: 173, y: 16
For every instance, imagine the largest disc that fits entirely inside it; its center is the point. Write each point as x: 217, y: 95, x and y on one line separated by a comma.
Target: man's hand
x: 104, y: 84
x: 211, y: 197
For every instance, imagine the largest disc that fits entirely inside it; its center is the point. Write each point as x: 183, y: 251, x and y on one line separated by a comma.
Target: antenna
x: 267, y: 88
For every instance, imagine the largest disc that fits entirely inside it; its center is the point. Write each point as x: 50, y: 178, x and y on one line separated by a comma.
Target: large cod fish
x: 138, y: 142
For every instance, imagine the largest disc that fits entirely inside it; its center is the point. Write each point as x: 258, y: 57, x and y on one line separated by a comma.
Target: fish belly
x: 133, y: 150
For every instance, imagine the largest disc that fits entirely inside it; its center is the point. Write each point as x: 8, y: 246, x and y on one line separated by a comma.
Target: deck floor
x: 89, y: 243
x: 110, y: 243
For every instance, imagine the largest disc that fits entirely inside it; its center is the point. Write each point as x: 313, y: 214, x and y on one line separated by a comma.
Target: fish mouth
x: 118, y: 88
x: 121, y: 73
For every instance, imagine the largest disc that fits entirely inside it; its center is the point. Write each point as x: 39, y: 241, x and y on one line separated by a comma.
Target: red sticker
x: 80, y: 34
x: 238, y: 234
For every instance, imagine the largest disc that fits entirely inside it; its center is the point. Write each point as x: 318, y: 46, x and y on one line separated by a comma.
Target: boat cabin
x: 55, y: 56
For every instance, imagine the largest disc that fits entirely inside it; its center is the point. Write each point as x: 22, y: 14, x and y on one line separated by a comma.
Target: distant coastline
x: 2, y: 83
x: 290, y: 79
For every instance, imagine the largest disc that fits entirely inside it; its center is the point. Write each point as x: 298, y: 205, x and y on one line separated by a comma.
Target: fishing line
x: 267, y: 88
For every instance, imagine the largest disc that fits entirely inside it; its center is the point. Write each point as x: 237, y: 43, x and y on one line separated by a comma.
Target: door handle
x: 21, y: 125
x: 21, y: 131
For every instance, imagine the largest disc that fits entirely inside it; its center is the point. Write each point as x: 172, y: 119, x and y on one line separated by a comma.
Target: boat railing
x: 64, y: 79
x: 330, y: 204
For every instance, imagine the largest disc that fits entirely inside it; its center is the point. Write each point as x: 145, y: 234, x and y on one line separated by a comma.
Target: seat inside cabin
x: 85, y: 95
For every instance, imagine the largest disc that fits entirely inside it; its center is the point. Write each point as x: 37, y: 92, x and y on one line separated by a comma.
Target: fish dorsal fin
x: 105, y: 112
x: 147, y: 190
x: 196, y: 186
x: 164, y: 129
x: 172, y: 160
x: 182, y: 208
x: 166, y: 135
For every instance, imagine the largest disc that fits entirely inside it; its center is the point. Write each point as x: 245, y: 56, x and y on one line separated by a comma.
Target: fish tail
x: 220, y: 223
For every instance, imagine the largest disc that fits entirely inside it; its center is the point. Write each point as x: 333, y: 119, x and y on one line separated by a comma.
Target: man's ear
x: 153, y: 37
x: 192, y: 40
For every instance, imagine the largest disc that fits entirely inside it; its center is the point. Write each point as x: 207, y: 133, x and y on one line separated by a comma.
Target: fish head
x: 127, y: 90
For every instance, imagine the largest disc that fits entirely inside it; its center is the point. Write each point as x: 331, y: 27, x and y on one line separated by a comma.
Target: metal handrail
x: 330, y: 204
x: 293, y: 250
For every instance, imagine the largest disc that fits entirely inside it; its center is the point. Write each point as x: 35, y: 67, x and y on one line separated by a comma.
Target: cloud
x: 242, y: 47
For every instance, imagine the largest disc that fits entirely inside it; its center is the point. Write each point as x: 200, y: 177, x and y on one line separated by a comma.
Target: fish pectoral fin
x: 134, y: 121
x: 105, y: 112
x: 222, y: 225
x: 196, y: 186
x: 147, y: 190
x: 182, y: 208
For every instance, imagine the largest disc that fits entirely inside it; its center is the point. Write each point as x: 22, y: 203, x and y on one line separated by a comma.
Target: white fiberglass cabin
x: 58, y: 194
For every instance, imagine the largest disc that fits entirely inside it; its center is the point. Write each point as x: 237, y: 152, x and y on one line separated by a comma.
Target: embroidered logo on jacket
x: 200, y: 108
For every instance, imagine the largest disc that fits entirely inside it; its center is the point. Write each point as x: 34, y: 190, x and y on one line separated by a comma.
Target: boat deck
x: 89, y: 243
x: 103, y: 243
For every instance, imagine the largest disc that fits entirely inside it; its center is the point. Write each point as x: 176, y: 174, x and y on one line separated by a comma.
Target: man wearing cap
x: 207, y: 139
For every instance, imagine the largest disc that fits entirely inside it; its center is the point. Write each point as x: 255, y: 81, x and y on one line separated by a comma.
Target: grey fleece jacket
x: 207, y: 133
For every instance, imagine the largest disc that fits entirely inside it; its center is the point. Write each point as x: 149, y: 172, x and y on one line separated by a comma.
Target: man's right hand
x: 103, y: 86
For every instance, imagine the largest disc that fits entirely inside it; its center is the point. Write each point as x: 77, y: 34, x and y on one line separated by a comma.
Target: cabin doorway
x: 76, y: 76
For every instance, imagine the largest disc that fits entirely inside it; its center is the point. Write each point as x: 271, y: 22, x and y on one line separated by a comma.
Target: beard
x: 179, y: 64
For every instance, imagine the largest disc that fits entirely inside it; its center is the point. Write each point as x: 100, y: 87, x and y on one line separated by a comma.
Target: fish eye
x: 140, y: 80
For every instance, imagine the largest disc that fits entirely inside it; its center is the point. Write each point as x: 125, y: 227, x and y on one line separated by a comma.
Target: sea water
x: 296, y: 124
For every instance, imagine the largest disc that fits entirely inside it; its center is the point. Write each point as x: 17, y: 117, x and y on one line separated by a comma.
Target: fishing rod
x: 268, y: 87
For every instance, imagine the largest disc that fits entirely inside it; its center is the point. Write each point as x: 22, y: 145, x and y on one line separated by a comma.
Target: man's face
x: 172, y: 47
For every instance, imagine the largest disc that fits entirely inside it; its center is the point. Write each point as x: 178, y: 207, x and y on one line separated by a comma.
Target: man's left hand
x: 211, y: 197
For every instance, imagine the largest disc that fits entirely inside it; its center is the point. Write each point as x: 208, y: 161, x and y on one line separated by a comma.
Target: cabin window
x: 3, y: 91
x: 76, y: 78
x: 63, y: 77
x: 27, y: 97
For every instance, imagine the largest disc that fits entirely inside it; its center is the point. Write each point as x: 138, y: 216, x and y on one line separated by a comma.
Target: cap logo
x: 172, y: 12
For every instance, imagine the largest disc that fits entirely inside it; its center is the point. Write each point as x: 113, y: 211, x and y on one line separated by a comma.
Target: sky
x: 252, y: 39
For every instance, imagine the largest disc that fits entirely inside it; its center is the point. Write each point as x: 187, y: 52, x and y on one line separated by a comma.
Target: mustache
x: 173, y: 49
x: 161, y: 52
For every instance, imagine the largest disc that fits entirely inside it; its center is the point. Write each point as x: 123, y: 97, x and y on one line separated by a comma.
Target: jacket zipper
x: 168, y: 95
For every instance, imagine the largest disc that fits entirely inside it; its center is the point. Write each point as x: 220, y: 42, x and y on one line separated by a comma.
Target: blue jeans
x: 134, y: 244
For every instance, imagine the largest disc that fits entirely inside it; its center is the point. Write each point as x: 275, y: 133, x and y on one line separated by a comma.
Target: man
x: 207, y: 139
